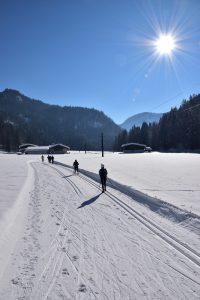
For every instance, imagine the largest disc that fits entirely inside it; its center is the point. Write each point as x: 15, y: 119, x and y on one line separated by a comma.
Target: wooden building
x: 135, y: 148
x: 51, y: 149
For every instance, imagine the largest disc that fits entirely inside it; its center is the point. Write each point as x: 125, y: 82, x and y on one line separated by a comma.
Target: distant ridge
x: 25, y: 120
x: 138, y: 119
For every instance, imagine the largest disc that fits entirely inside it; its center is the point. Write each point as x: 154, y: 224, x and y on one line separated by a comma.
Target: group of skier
x: 50, y: 158
x: 102, y: 173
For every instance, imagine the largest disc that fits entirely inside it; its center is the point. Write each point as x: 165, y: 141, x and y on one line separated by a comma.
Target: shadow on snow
x: 163, y: 208
x: 90, y: 201
x: 67, y: 176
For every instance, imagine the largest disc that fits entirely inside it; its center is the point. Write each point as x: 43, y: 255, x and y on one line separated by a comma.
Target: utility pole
x: 102, y: 148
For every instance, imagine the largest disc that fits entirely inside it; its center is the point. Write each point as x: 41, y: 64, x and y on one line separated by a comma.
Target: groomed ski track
x: 77, y: 243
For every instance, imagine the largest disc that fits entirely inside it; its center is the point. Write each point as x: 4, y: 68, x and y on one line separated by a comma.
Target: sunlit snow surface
x: 174, y: 178
x: 60, y: 238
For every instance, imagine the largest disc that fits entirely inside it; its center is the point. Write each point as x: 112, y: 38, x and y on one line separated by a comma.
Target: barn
x: 134, y: 148
x: 23, y: 147
x: 51, y: 149
x: 58, y: 149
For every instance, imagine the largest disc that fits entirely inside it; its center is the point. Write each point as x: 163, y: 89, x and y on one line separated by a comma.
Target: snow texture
x: 61, y: 238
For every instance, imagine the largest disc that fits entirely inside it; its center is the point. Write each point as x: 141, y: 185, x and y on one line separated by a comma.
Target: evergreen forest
x: 25, y: 120
x: 178, y: 130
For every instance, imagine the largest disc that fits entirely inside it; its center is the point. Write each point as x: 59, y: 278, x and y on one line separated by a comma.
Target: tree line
x: 25, y: 120
x: 177, y: 130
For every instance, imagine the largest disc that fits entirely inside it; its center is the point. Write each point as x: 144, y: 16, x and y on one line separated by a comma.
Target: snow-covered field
x: 174, y: 178
x: 61, y: 238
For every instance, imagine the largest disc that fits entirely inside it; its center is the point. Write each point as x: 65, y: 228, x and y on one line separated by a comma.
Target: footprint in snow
x: 82, y: 288
x: 74, y: 258
x: 15, y: 281
x: 65, y: 272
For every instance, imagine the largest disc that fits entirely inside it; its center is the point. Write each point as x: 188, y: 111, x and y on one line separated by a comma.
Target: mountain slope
x: 36, y: 122
x: 138, y: 119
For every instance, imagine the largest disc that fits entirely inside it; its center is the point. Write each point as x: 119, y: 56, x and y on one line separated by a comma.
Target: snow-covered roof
x: 133, y: 144
x: 61, y: 145
x: 38, y: 148
x: 47, y: 149
x: 27, y: 145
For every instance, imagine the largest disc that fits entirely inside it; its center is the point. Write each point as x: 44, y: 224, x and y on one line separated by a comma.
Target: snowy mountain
x: 138, y: 119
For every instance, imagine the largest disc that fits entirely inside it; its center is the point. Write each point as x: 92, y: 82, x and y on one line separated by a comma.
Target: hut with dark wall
x: 51, y: 149
x: 133, y: 148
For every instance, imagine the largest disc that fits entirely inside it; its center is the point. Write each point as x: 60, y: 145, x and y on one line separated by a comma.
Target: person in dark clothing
x: 75, y: 165
x: 52, y: 159
x: 42, y: 158
x: 103, y: 176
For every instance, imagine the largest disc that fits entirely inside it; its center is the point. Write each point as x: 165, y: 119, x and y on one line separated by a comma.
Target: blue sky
x: 101, y: 53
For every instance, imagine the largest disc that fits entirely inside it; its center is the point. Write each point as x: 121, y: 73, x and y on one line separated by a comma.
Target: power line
x: 192, y: 107
x: 172, y: 98
x: 168, y: 100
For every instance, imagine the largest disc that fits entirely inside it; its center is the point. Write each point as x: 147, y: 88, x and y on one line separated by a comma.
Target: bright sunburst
x: 165, y: 44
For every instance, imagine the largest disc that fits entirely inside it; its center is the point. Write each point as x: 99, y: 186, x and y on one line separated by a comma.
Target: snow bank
x: 168, y: 183
x: 172, y: 212
x: 170, y: 177
x: 13, y: 173
x: 13, y: 211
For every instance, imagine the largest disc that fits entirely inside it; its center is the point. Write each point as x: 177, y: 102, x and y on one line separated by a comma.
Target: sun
x: 165, y: 44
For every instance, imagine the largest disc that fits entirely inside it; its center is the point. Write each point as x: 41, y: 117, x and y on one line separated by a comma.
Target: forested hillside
x: 177, y: 130
x: 24, y: 120
x: 139, y: 119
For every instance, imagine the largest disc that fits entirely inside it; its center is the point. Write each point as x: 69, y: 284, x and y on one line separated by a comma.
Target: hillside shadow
x: 90, y: 201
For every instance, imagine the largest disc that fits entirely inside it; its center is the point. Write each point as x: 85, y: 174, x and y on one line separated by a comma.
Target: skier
x: 75, y: 165
x: 103, y: 176
x: 42, y: 158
